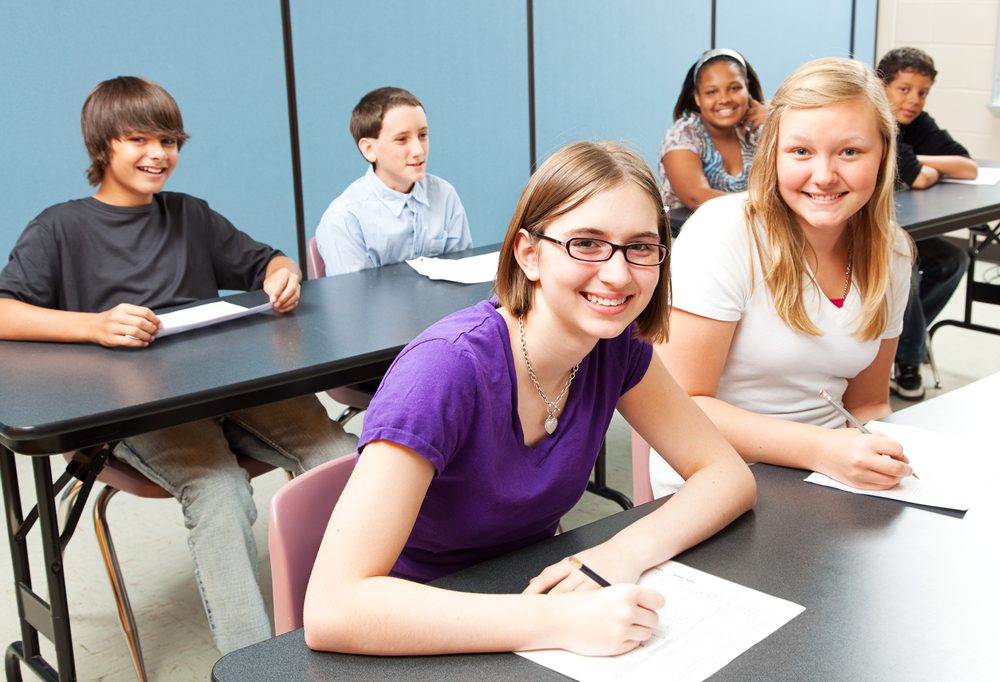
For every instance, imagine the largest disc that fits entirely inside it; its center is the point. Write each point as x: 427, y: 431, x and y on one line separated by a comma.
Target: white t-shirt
x: 771, y: 369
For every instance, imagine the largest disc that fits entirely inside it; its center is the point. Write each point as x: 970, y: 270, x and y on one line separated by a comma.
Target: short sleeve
x: 32, y: 272
x: 426, y: 401
x: 639, y: 354
x: 340, y: 241
x: 899, y: 284
x: 711, y: 263
x: 240, y: 261
x: 683, y: 134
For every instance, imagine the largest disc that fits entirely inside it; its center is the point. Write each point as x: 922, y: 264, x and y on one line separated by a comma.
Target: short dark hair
x: 123, y: 105
x: 905, y: 59
x: 366, y: 119
x: 685, y: 101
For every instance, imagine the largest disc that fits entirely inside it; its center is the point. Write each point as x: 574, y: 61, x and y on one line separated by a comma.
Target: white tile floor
x: 150, y: 538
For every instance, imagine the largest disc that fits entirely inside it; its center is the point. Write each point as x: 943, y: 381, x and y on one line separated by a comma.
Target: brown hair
x: 366, y: 118
x: 564, y: 181
x: 873, y: 229
x: 123, y: 105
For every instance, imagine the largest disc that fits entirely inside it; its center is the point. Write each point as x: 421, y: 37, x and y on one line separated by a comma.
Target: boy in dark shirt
x: 924, y: 154
x: 92, y: 270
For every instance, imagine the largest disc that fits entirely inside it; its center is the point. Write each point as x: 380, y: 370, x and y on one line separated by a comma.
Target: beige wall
x: 961, y: 36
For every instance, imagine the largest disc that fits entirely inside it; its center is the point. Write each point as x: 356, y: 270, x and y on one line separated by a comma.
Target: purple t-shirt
x: 451, y: 396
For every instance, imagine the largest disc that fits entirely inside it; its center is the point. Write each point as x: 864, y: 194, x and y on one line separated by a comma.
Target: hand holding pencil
x: 854, y: 421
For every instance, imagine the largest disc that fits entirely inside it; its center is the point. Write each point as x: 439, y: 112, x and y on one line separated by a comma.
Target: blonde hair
x: 567, y: 179
x: 873, y: 229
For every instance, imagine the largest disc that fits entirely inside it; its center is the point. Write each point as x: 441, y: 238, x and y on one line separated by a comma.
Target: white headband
x: 718, y: 52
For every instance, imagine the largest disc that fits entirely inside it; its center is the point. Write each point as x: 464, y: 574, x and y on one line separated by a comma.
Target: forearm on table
x: 391, y: 616
x: 711, y: 499
x: 21, y: 321
x: 960, y: 167
x: 759, y: 438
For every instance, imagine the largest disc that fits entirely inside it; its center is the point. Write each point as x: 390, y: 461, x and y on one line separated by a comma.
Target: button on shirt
x: 371, y: 225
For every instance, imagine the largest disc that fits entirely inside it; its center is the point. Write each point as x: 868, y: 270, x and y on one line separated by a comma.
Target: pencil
x: 849, y: 417
x: 587, y: 571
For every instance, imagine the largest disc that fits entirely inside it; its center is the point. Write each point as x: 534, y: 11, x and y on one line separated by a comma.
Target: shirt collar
x: 393, y: 200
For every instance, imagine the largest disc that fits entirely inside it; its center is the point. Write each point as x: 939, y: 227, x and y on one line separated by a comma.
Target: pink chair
x: 300, y: 511
x: 642, y: 490
x: 120, y: 477
x: 356, y: 396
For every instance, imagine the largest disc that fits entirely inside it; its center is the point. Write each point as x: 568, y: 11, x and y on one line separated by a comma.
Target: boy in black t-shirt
x: 92, y: 269
x: 924, y: 154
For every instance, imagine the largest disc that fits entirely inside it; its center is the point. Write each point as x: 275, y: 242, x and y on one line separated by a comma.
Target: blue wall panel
x: 465, y: 60
x: 865, y: 29
x: 613, y: 70
x: 777, y: 36
x: 221, y: 61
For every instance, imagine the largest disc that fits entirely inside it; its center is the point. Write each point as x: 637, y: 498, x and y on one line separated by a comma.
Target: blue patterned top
x: 688, y: 133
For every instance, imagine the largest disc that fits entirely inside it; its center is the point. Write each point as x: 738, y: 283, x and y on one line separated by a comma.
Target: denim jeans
x: 939, y: 268
x: 195, y: 462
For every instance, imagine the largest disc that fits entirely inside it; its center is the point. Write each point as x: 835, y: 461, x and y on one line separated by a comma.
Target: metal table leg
x: 50, y: 619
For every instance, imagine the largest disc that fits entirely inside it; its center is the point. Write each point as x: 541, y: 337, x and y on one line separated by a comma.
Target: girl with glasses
x: 800, y: 285
x: 485, y: 430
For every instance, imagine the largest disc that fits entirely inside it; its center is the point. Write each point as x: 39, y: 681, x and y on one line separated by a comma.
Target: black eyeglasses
x: 598, y: 250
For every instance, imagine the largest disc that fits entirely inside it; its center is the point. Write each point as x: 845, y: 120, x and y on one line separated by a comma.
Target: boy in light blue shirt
x: 396, y: 211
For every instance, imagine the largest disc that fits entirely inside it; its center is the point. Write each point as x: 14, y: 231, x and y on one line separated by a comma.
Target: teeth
x: 151, y: 170
x: 826, y: 197
x: 605, y: 301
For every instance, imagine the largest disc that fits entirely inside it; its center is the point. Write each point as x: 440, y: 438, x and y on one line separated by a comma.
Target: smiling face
x: 400, y: 150
x: 594, y: 300
x: 907, y: 94
x: 827, y: 163
x: 138, y: 165
x: 722, y: 94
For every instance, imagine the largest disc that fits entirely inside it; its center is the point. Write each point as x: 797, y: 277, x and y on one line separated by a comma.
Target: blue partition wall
x: 776, y: 36
x: 612, y: 70
x: 602, y: 70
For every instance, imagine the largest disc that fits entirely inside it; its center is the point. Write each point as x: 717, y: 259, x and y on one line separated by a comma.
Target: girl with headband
x: 709, y: 148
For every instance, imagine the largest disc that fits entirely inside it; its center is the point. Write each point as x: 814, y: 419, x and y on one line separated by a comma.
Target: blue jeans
x: 936, y: 274
x: 195, y: 462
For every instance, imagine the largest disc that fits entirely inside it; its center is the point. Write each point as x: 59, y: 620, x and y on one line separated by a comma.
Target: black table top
x: 945, y: 207
x: 891, y: 590
x: 58, y: 397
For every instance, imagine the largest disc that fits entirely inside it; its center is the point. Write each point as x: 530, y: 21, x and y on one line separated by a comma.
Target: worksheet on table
x: 706, y: 623
x: 471, y: 270
x: 942, y: 462
x: 203, y: 315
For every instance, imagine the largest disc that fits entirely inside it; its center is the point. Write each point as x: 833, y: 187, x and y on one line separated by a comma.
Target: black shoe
x: 907, y: 383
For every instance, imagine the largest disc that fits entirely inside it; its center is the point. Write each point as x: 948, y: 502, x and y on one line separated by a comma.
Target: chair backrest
x: 300, y: 511
x: 315, y: 266
x: 642, y: 490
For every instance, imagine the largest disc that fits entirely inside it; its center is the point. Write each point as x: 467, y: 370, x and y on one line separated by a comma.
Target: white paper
x: 706, y: 623
x: 940, y: 460
x: 986, y: 176
x: 471, y: 270
x: 203, y: 315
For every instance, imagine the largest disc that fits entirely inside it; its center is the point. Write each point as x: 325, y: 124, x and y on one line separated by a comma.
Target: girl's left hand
x: 562, y: 577
x: 756, y: 115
